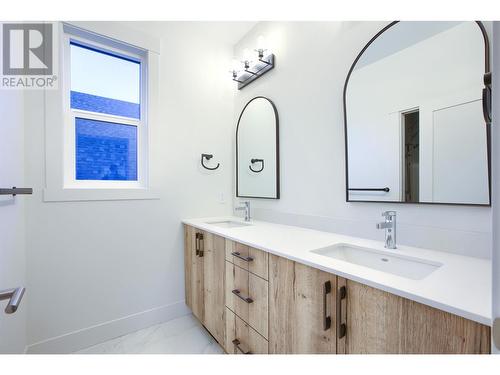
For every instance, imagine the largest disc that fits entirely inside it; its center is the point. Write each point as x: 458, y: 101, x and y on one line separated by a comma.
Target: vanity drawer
x: 248, y: 258
x: 241, y: 338
x: 247, y: 296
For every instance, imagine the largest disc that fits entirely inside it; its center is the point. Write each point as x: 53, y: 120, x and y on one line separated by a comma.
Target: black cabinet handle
x: 341, y: 327
x: 237, y: 344
x: 327, y: 319
x: 237, y: 293
x: 197, y: 244
x: 239, y: 256
x: 201, y: 244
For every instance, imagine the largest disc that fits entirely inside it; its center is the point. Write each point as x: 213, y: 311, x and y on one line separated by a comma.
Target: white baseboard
x: 83, y: 338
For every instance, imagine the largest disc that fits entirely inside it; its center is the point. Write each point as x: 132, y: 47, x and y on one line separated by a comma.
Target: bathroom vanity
x: 267, y: 288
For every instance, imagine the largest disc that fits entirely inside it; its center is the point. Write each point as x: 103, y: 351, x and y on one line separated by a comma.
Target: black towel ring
x: 208, y: 157
x: 253, y: 161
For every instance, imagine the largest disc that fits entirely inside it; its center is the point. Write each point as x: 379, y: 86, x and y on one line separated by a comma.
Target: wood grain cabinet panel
x: 193, y: 273
x: 374, y: 320
x: 299, y: 303
x: 430, y: 330
x: 248, y: 258
x: 379, y: 322
x: 213, y: 283
x: 247, y: 296
x: 241, y: 338
x: 254, y: 302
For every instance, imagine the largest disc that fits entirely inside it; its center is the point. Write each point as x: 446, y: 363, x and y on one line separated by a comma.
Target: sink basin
x: 400, y: 265
x: 229, y: 224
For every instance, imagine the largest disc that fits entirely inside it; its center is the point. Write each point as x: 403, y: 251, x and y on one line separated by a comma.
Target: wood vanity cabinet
x: 255, y: 302
x: 362, y: 319
x: 193, y: 271
x: 247, y: 299
x: 204, y: 279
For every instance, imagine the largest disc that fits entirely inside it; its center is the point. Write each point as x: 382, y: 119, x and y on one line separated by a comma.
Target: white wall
x: 12, y: 216
x: 100, y: 269
x: 312, y: 61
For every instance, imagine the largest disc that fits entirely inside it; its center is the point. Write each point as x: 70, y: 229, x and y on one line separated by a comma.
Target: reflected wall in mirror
x: 257, y: 150
x: 413, y: 110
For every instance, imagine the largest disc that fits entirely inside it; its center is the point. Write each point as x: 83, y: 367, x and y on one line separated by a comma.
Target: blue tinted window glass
x: 99, y: 104
x: 104, y: 83
x: 105, y: 150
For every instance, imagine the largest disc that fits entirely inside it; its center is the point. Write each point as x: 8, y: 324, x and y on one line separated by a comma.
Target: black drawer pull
x: 197, y: 243
x: 237, y: 344
x: 201, y: 245
x: 341, y: 327
x: 327, y: 319
x: 239, y: 256
x: 237, y: 293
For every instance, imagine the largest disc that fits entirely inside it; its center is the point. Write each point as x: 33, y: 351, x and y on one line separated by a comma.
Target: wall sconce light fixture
x: 248, y: 70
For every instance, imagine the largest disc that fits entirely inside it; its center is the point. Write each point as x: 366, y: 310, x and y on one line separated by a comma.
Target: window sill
x: 70, y: 195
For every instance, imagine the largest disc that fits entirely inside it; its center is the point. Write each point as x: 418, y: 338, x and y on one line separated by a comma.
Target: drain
x: 384, y: 259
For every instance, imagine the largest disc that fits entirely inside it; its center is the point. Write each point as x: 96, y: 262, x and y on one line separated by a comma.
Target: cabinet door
x: 380, y: 322
x: 302, y: 308
x: 193, y: 270
x: 213, y: 275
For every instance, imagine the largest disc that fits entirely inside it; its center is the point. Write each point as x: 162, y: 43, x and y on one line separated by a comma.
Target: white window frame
x: 71, y: 114
x: 60, y: 165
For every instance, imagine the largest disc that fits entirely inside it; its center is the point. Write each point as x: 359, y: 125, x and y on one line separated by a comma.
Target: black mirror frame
x: 486, y: 112
x: 277, y: 150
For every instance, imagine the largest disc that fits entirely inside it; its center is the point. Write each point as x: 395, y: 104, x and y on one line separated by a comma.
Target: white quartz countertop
x: 461, y: 286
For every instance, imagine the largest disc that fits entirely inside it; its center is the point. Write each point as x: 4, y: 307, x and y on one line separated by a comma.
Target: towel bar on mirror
x: 386, y: 189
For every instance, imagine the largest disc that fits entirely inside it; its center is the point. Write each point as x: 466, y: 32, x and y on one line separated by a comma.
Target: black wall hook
x: 208, y: 157
x: 253, y: 161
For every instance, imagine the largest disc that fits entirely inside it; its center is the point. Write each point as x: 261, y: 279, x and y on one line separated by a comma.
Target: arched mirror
x: 257, y: 150
x: 416, y: 110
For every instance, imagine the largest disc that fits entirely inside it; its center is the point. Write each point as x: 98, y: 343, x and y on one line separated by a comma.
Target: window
x: 105, y: 127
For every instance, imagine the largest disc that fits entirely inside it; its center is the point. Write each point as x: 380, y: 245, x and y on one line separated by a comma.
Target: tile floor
x: 183, y: 335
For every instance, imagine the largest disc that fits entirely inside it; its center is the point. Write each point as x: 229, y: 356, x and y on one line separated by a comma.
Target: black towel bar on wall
x: 386, y: 189
x: 208, y: 157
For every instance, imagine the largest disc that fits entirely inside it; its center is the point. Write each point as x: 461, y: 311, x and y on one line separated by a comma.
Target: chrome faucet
x: 246, y: 207
x: 390, y: 228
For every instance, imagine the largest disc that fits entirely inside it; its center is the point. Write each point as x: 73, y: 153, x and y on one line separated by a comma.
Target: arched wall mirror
x: 416, y: 112
x: 257, y: 150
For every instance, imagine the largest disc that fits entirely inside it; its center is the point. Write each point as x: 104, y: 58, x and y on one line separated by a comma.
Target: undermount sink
x: 400, y: 265
x: 229, y: 224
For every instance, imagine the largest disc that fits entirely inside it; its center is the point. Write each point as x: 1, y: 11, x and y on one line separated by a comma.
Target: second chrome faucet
x: 246, y: 207
x: 390, y: 228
